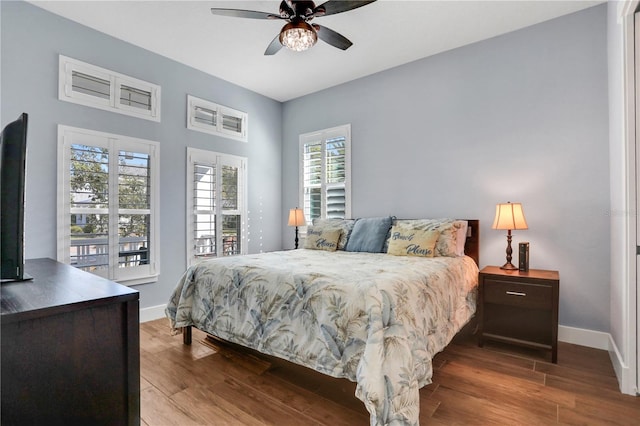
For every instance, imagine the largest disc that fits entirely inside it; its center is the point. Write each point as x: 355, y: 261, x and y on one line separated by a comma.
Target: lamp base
x: 509, y: 267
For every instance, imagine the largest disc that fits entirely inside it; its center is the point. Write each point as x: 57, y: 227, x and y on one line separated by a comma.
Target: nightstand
x: 519, y: 308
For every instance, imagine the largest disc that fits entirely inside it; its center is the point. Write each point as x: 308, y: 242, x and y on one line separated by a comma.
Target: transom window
x: 97, y: 87
x: 208, y: 117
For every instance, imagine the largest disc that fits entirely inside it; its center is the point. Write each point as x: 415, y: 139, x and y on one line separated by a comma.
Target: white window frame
x: 67, y: 136
x: 220, y: 110
x: 66, y: 93
x: 322, y: 136
x: 218, y: 159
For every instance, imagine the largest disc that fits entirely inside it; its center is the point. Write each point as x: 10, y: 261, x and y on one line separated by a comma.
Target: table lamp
x: 509, y: 216
x: 296, y: 218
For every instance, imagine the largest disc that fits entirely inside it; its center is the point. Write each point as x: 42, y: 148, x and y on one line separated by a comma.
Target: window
x: 108, y: 204
x: 89, y: 85
x: 325, y: 173
x: 216, y: 205
x: 207, y: 117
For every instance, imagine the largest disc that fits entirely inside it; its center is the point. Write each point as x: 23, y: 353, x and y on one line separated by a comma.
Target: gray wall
x: 31, y: 41
x: 520, y: 117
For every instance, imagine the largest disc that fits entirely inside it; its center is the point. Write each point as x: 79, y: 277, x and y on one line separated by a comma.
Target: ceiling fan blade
x: 274, y: 47
x: 332, y: 7
x: 239, y: 13
x: 333, y: 38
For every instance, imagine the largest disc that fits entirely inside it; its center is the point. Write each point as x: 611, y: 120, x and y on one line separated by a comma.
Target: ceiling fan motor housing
x: 300, y: 8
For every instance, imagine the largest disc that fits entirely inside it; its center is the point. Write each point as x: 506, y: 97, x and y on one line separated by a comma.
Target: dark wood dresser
x: 519, y: 308
x: 70, y: 349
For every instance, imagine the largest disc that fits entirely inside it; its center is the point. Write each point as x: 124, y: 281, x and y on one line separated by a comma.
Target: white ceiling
x: 385, y: 34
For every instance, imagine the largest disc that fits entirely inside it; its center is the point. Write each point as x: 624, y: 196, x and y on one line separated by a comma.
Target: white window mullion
x: 113, y: 94
x: 323, y: 184
x: 191, y: 243
x: 245, y: 206
x: 113, y: 210
x: 63, y: 197
x: 66, y: 70
x: 154, y: 252
x: 218, y: 207
x: 155, y: 107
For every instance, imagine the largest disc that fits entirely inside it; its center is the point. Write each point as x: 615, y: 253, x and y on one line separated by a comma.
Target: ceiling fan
x: 298, y: 34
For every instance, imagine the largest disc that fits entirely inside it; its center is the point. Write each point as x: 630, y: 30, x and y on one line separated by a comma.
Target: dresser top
x: 57, y: 288
x: 540, y: 274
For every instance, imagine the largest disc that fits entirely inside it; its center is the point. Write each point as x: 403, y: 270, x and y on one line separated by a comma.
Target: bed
x: 373, y: 318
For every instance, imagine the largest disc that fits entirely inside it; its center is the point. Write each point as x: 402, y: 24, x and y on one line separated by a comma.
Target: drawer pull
x: 516, y: 293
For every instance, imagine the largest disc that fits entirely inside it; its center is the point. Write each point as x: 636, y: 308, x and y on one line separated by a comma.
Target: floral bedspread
x: 375, y: 319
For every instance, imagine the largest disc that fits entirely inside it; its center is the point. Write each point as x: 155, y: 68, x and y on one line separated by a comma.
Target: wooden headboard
x: 472, y: 245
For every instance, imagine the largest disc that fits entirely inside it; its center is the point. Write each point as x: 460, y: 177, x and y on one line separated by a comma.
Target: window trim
x: 322, y: 135
x: 65, y: 92
x: 220, y: 110
x: 201, y: 156
x: 141, y: 274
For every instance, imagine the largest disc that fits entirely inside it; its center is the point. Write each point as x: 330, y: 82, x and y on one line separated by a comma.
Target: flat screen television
x: 13, y: 143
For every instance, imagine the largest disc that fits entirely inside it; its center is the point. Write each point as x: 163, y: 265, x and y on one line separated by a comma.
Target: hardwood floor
x: 214, y: 383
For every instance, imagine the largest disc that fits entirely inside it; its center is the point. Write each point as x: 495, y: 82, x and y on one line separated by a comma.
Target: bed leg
x: 186, y: 335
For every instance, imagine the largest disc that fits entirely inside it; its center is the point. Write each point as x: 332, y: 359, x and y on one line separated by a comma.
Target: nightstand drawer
x: 532, y: 296
x: 519, y: 307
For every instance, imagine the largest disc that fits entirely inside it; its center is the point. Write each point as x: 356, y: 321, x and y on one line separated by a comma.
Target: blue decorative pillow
x: 369, y: 234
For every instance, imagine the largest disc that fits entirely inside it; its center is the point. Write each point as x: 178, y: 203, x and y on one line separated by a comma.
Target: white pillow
x: 461, y: 237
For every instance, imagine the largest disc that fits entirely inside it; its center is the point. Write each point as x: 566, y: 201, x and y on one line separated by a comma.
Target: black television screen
x: 13, y: 143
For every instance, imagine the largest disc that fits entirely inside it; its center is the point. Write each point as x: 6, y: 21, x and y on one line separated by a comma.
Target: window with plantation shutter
x: 97, y: 87
x: 325, y: 161
x: 208, y: 117
x: 107, y: 204
x: 216, y: 205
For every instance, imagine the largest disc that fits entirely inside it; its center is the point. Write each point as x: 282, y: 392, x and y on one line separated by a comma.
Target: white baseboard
x: 584, y: 337
x: 152, y: 313
x: 604, y: 341
x: 623, y: 372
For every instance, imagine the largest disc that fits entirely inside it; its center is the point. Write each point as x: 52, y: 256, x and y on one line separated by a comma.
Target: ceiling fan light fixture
x: 298, y: 35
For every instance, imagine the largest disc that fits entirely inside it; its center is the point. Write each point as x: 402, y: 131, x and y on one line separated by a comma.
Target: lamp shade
x: 296, y: 217
x: 509, y: 216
